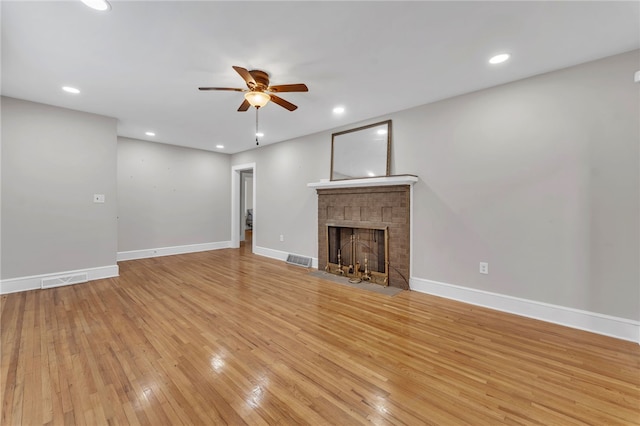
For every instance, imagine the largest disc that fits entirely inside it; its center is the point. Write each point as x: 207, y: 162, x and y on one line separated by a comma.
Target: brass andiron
x: 366, y: 276
x: 354, y: 266
x: 352, y: 269
x: 356, y: 279
x: 340, y: 270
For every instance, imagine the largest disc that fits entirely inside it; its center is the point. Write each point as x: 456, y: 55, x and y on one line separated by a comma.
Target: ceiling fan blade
x: 244, y: 106
x: 251, y: 83
x: 285, y: 104
x: 222, y: 88
x: 289, y: 88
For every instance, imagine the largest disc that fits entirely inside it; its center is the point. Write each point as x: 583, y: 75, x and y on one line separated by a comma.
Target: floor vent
x: 65, y: 280
x: 299, y: 260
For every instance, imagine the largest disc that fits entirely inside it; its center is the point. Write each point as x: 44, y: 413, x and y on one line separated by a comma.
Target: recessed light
x: 101, y: 5
x: 498, y: 59
x: 69, y: 89
x: 219, y: 146
x: 338, y: 110
x: 149, y: 133
x: 382, y: 132
x: 259, y: 134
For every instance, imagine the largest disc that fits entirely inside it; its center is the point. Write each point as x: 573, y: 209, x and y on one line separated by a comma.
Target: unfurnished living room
x: 323, y: 213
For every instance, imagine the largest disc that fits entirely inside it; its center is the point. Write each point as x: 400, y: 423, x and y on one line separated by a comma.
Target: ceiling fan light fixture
x: 257, y: 99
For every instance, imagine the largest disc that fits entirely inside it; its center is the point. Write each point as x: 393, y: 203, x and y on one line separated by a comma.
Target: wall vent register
x: 64, y: 280
x: 299, y: 260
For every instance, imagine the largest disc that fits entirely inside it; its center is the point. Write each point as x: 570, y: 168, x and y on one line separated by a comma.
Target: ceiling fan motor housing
x: 261, y: 78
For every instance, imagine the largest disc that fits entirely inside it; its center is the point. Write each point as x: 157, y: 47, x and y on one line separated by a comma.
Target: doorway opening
x: 246, y: 208
x: 243, y: 206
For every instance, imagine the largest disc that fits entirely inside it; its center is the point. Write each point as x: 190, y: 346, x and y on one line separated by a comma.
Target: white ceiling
x: 142, y: 61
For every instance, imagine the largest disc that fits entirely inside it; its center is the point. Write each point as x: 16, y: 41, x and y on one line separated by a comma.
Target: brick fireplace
x: 369, y: 221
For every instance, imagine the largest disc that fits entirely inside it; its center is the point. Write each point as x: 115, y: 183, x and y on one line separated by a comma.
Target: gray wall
x: 53, y: 161
x: 171, y: 196
x: 539, y: 177
x: 248, y: 191
x: 284, y: 204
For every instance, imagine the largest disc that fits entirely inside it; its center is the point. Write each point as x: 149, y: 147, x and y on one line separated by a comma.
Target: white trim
x: 607, y: 325
x: 282, y: 255
x: 34, y: 282
x: 411, y: 228
x: 358, y: 183
x: 253, y: 207
x: 168, y: 251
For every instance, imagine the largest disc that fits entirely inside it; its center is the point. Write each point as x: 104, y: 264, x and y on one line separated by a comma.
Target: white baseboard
x: 620, y: 328
x: 34, y: 282
x: 168, y: 251
x: 281, y: 255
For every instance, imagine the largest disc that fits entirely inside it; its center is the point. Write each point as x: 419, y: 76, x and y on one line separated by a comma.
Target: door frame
x: 236, y: 227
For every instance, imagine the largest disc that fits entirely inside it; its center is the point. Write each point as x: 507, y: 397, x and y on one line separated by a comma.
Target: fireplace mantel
x: 364, y: 182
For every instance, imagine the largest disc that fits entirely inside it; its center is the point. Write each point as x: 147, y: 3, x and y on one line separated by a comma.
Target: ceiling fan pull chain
x: 257, y: 108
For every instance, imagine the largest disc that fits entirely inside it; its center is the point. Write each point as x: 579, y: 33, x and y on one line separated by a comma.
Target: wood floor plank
x: 227, y: 337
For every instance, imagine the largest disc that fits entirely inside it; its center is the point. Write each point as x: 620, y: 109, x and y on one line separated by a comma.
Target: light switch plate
x: 98, y: 198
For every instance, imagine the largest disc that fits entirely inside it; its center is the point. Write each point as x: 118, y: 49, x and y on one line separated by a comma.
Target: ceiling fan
x: 258, y: 92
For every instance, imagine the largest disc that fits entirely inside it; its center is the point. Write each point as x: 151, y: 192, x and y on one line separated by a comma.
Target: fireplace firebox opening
x: 360, y: 254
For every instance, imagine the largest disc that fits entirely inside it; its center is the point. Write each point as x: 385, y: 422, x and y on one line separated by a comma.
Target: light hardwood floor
x: 226, y: 337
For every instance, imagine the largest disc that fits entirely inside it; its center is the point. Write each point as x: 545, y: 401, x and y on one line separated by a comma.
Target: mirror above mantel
x: 363, y: 152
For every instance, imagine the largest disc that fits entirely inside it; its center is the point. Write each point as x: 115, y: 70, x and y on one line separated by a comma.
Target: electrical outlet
x: 484, y: 267
x: 281, y: 237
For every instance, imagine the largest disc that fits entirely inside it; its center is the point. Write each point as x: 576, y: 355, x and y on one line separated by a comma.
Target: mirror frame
x: 359, y: 129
